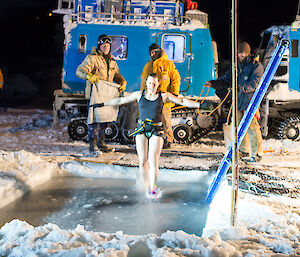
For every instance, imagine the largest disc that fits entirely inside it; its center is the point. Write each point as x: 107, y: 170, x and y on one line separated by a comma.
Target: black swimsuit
x: 150, y: 117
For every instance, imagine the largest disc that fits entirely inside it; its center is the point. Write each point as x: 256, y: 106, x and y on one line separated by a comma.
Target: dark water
x: 111, y: 205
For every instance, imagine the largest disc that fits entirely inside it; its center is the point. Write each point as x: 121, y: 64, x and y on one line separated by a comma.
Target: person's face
x: 105, y: 48
x: 154, y: 54
x: 152, y: 85
x: 242, y: 56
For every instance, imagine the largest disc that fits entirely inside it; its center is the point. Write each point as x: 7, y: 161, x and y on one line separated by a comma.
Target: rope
x: 136, y: 131
x: 227, y: 120
x: 207, y: 115
x: 266, y: 186
x: 179, y: 107
x: 144, y: 124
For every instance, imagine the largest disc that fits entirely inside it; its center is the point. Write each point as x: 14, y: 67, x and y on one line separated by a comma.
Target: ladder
x: 248, y: 116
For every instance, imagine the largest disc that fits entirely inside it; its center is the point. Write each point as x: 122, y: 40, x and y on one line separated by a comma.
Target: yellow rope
x: 207, y: 115
x: 144, y: 123
x: 227, y: 122
x: 204, y: 96
x: 179, y: 107
x: 136, y: 131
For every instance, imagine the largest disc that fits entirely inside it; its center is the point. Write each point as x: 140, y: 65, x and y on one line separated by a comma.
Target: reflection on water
x: 111, y: 205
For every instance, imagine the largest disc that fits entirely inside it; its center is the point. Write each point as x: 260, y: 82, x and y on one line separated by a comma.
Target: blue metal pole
x: 248, y: 116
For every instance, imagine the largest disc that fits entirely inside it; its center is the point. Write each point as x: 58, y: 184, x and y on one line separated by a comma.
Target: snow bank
x: 259, y: 231
x: 18, y: 238
x: 20, y: 172
x: 100, y: 170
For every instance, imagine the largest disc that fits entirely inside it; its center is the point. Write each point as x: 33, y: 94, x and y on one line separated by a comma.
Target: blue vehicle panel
x: 294, y: 67
x: 133, y: 26
x: 196, y: 62
x: 281, y: 115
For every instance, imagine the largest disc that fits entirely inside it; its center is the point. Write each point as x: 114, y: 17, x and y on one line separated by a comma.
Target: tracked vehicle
x: 281, y: 108
x: 179, y: 29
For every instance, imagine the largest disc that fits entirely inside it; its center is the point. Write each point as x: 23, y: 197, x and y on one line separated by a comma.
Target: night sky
x: 32, y: 41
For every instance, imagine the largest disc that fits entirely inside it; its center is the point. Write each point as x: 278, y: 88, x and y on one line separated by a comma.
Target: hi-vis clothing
x: 169, y: 78
x: 95, y: 63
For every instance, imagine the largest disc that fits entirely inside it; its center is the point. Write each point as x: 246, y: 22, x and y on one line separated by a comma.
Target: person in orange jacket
x: 169, y: 81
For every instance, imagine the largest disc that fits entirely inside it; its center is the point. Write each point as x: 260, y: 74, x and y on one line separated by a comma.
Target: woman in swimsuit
x: 149, y: 133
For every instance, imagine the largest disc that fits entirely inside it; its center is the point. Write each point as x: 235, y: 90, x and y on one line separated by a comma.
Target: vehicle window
x: 119, y: 47
x: 174, y: 45
x: 265, y: 40
x: 295, y: 48
x: 82, y: 44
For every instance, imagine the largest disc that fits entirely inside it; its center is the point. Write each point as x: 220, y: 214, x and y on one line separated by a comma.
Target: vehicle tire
x: 289, y: 129
x: 182, y: 132
x: 78, y: 129
x: 111, y: 132
x: 125, y: 136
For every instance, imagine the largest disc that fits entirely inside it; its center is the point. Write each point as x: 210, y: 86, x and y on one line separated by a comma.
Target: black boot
x: 104, y: 147
x: 92, y: 147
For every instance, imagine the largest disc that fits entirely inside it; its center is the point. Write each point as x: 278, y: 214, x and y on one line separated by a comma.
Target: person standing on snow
x: 249, y: 74
x: 169, y: 80
x: 99, y: 65
x: 149, y: 134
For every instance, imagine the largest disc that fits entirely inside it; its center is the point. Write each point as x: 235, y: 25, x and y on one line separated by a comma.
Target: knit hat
x: 244, y: 47
x: 153, y: 47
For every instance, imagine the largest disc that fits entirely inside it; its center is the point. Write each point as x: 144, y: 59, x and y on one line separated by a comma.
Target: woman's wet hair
x: 153, y: 75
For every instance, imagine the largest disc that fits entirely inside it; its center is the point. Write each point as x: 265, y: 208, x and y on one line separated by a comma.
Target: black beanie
x: 153, y: 47
x: 244, y: 47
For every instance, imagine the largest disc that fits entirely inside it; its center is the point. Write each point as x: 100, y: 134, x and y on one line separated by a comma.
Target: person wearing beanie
x: 99, y: 65
x: 249, y: 73
x: 169, y: 81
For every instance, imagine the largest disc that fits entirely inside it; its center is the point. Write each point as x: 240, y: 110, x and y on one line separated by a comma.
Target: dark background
x: 32, y: 41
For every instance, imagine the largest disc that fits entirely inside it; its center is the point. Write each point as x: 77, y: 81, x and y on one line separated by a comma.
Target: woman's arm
x: 179, y: 100
x: 133, y: 97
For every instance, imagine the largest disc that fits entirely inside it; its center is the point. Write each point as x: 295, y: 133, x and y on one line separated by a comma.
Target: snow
x: 32, y: 152
x: 282, y: 90
x: 68, y: 27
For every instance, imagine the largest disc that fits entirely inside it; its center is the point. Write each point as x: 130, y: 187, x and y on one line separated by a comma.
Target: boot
x: 92, y: 147
x: 104, y: 147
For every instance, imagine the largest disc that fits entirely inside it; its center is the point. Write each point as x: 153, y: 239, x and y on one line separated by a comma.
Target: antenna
x: 298, y: 12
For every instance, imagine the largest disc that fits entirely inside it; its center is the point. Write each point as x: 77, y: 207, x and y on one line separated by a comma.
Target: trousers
x: 252, y: 142
x: 167, y: 125
x: 96, y: 130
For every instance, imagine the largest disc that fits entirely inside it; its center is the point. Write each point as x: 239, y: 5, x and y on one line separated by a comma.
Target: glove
x: 122, y: 87
x: 93, y: 78
x: 208, y: 84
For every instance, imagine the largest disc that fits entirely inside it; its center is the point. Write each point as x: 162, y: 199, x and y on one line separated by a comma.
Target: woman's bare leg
x: 155, y: 146
x: 142, y: 151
